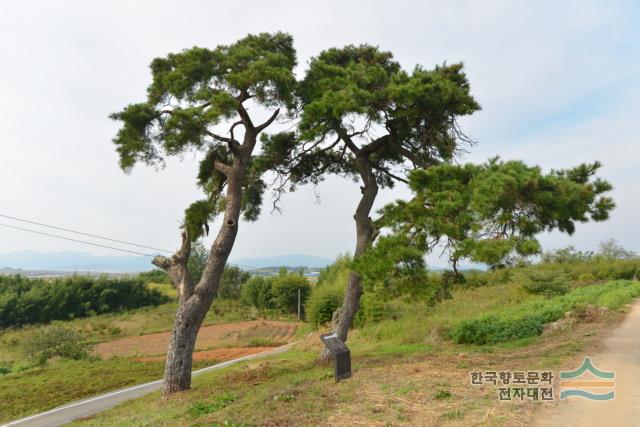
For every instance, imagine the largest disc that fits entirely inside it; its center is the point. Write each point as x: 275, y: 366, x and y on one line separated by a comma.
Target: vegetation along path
x: 85, y: 408
x: 622, y: 356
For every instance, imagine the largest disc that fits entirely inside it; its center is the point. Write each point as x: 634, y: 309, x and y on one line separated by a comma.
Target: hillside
x: 405, y: 373
x: 412, y: 361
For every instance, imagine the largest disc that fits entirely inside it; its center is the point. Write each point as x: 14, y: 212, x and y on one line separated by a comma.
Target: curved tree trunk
x: 343, y: 317
x: 194, y: 302
x: 189, y: 317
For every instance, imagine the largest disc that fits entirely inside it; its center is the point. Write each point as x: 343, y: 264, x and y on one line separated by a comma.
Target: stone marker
x: 340, y: 354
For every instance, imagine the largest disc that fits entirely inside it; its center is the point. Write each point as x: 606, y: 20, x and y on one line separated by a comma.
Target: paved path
x: 84, y: 408
x: 621, y: 355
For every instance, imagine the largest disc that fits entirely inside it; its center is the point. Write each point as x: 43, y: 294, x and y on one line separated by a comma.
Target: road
x: 621, y: 355
x: 87, y: 407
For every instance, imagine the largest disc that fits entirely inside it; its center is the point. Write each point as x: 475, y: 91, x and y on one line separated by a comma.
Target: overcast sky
x: 559, y: 84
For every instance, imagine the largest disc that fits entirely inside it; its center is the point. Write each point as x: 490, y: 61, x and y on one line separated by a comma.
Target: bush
x: 284, y: 291
x: 154, y: 276
x: 280, y: 292
x: 545, y: 282
x: 53, y: 341
x: 24, y: 301
x: 528, y: 319
x: 323, y: 301
x: 257, y: 292
x: 595, y: 269
x: 231, y: 282
x: 587, y: 278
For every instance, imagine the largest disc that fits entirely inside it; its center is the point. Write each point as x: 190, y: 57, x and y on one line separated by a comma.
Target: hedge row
x: 24, y: 300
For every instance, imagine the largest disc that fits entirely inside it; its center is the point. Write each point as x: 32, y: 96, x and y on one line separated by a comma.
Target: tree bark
x: 193, y: 306
x: 343, y: 317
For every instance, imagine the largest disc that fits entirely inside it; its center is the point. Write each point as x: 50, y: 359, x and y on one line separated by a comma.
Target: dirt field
x: 235, y: 339
x: 219, y: 354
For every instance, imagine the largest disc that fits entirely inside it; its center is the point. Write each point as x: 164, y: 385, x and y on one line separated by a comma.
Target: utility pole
x: 298, y: 303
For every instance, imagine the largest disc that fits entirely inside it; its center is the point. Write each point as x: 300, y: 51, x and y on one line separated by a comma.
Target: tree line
x: 34, y: 300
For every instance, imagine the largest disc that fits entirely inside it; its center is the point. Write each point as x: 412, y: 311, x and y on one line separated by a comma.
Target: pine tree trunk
x: 193, y: 306
x: 343, y: 317
x: 177, y: 375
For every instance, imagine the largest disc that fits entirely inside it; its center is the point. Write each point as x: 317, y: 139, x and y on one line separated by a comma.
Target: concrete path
x: 621, y: 355
x: 84, y: 408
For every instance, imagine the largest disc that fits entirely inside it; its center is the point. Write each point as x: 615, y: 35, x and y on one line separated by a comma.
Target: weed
x: 443, y: 395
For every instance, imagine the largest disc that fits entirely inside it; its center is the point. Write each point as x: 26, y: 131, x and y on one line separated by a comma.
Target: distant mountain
x: 74, y: 261
x: 83, y: 261
x: 296, y: 260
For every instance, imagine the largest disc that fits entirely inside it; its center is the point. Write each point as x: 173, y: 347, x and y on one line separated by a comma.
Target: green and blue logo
x: 588, y: 382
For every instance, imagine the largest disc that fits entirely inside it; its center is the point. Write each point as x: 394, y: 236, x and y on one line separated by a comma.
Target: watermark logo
x: 587, y: 382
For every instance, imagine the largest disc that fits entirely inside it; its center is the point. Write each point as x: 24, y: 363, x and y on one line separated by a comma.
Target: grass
x: 62, y: 381
x: 405, y: 371
x: 528, y: 319
x: 26, y: 388
x: 142, y: 321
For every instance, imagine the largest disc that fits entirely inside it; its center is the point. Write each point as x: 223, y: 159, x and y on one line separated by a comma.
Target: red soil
x: 209, y: 336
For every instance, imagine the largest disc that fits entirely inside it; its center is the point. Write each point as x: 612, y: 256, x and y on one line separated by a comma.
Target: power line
x: 90, y: 235
x: 75, y: 240
x: 84, y: 234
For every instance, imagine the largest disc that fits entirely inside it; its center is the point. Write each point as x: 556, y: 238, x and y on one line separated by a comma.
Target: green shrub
x: 4, y: 370
x: 528, y: 319
x: 587, y: 278
x: 231, y: 282
x: 545, y: 282
x: 154, y: 276
x: 284, y: 291
x: 372, y: 309
x: 323, y: 301
x: 24, y: 301
x: 257, y: 292
x: 53, y: 341
x: 443, y: 395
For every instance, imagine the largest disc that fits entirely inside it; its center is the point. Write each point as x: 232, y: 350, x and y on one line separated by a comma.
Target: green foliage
x: 336, y: 272
x: 198, y: 409
x: 284, y: 289
x: 596, y: 269
x: 24, y: 301
x: 362, y: 82
x: 545, y: 282
x: 392, y: 266
x: 358, y: 96
x: 257, y: 292
x: 154, y: 276
x: 280, y: 292
x: 567, y: 255
x: 608, y: 250
x: 55, y: 341
x: 442, y: 395
x: 528, y: 319
x: 323, y: 301
x: 489, y: 212
x: 197, y: 260
x: 231, y: 283
x: 191, y: 93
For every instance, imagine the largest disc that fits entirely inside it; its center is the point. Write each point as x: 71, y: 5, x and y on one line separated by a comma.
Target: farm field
x: 123, y: 354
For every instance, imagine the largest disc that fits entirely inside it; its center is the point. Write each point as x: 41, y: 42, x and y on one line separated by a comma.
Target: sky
x: 559, y: 84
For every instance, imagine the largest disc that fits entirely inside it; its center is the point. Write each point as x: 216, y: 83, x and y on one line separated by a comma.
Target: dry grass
x: 428, y: 388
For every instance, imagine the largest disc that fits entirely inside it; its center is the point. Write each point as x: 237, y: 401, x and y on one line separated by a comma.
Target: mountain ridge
x: 84, y: 261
